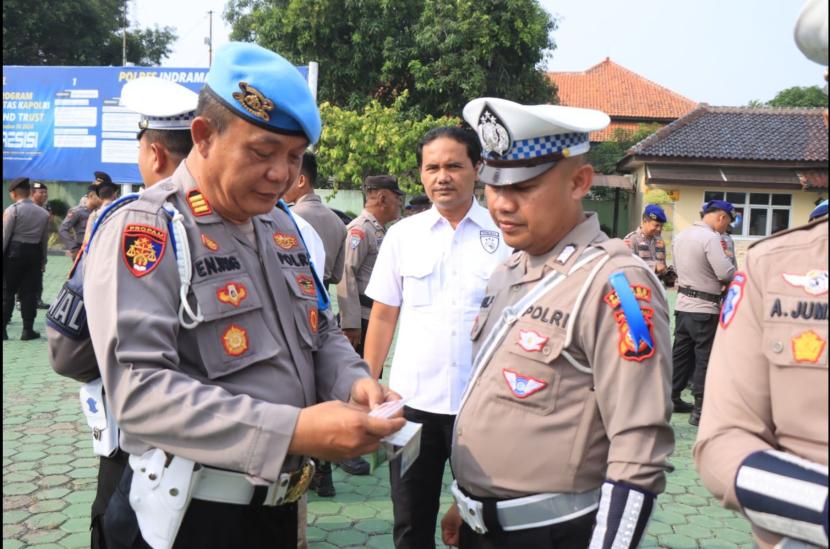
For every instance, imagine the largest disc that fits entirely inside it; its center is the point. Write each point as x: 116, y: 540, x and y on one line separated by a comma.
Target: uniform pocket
x: 306, y: 314
x: 417, y: 283
x: 796, y: 345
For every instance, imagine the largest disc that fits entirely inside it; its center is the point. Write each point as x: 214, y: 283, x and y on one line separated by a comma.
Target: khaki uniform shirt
x: 650, y: 249
x: 226, y: 393
x: 530, y: 421
x: 702, y: 265
x: 766, y: 387
x: 27, y: 223
x: 73, y: 227
x: 332, y: 232
x: 363, y: 238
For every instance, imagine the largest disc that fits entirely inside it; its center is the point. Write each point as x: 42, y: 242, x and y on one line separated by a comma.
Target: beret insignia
x: 253, y: 101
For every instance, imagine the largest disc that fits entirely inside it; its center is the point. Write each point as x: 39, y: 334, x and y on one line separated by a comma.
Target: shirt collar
x: 310, y: 197
x: 566, y: 252
x: 477, y: 214
x: 185, y: 181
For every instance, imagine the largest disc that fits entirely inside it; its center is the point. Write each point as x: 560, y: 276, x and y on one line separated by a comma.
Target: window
x: 763, y: 213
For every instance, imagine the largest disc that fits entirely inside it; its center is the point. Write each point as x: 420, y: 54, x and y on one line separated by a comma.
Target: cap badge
x: 235, y: 340
x: 522, y: 386
x: 253, y: 101
x: 493, y: 134
x: 143, y: 124
x: 232, y: 293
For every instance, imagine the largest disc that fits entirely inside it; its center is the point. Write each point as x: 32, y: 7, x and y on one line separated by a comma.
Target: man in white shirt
x: 431, y: 273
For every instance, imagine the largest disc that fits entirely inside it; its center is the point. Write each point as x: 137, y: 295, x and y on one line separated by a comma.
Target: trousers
x: 694, y: 334
x: 21, y: 272
x: 573, y: 534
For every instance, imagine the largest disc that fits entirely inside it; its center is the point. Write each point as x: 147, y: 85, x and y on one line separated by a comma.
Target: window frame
x: 746, y: 210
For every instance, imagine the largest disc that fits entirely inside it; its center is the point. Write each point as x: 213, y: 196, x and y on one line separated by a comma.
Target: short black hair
x: 309, y: 168
x: 466, y: 137
x: 211, y: 108
x: 106, y: 192
x: 177, y: 142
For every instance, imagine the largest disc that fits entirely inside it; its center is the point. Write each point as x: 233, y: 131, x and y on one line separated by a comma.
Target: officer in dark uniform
x: 73, y: 228
x: 25, y: 234
x: 40, y: 196
x: 417, y: 204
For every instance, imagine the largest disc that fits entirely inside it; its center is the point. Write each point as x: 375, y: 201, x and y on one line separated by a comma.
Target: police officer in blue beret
x: 819, y: 211
x: 646, y: 243
x: 703, y: 270
x: 222, y: 364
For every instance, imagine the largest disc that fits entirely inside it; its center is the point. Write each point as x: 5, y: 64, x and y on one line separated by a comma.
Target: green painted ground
x: 49, y: 471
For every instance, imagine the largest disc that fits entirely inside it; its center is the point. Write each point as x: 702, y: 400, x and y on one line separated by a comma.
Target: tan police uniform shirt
x: 73, y: 227
x: 530, y: 421
x: 228, y: 392
x: 363, y: 238
x: 650, y: 249
x: 332, y: 232
x: 766, y: 387
x: 702, y: 265
x: 27, y: 223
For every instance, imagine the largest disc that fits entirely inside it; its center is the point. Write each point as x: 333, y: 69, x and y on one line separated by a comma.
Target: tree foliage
x: 604, y: 156
x: 810, y: 96
x: 444, y: 52
x: 373, y: 140
x: 80, y: 32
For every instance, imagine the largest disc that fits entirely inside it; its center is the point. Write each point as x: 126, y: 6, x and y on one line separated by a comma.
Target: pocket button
x: 777, y: 347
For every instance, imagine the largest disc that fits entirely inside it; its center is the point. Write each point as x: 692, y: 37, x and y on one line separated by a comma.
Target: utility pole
x: 210, y: 38
x: 124, y: 41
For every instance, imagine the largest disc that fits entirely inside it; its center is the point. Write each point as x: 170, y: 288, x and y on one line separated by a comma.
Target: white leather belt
x: 232, y: 487
x: 527, y: 512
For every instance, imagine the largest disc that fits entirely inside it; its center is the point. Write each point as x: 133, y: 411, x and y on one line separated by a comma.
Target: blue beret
x: 713, y: 205
x: 819, y: 211
x: 263, y: 88
x: 655, y: 212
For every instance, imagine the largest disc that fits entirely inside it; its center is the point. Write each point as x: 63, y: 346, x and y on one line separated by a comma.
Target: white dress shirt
x: 314, y: 244
x: 437, y: 276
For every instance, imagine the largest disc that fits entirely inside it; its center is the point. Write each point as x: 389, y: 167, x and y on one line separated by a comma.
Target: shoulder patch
x: 355, y: 237
x: 634, y: 322
x: 143, y: 248
x: 733, y: 298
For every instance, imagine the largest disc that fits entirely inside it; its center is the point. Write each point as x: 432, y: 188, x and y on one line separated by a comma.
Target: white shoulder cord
x: 185, y: 267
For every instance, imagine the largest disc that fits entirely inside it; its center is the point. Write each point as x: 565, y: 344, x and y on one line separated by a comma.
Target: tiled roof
x: 619, y: 92
x: 741, y: 133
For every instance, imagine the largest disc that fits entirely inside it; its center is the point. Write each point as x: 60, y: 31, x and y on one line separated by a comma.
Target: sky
x: 721, y: 52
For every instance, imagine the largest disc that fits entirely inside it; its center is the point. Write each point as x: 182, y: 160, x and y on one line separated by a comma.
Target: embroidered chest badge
x: 522, y: 386
x: 286, y: 241
x: 313, y: 319
x: 209, y: 243
x: 808, y: 347
x: 306, y: 284
x: 143, y: 247
x: 198, y: 204
x: 733, y: 298
x: 235, y: 340
x: 232, y: 293
x: 814, y: 282
x: 489, y: 240
x: 531, y: 341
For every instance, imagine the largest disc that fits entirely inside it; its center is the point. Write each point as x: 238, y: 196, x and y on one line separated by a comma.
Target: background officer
x: 231, y: 377
x: 553, y: 428
x: 429, y: 280
x: 25, y: 237
x: 107, y: 192
x: 166, y: 110
x: 73, y: 227
x: 329, y: 227
x: 703, y: 268
x: 646, y: 243
x: 762, y: 447
x: 40, y: 196
x: 417, y: 204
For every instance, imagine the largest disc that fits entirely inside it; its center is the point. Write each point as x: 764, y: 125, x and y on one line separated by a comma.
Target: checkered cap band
x: 177, y: 122
x: 526, y: 149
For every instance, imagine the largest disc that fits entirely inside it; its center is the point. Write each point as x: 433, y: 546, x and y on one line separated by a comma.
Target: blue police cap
x: 263, y: 88
x: 819, y: 211
x: 723, y: 205
x: 655, y: 212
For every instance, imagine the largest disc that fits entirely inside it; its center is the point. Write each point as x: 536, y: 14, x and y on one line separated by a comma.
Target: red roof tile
x: 619, y: 92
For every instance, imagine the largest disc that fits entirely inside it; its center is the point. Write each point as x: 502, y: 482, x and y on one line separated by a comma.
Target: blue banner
x: 64, y: 123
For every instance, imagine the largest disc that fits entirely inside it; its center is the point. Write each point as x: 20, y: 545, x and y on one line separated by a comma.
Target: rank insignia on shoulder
x: 522, y: 386
x: 355, y: 236
x: 733, y: 298
x: 489, y: 240
x: 286, y: 241
x: 198, y: 204
x: 253, y: 101
x: 566, y: 254
x: 313, y: 319
x: 235, y: 340
x: 142, y: 248
x: 306, y: 284
x: 209, y: 243
x: 808, y: 347
x: 814, y: 282
x: 232, y: 293
x: 531, y: 341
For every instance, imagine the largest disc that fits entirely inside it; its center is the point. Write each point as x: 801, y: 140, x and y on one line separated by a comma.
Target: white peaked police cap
x: 163, y: 105
x: 811, y: 31
x: 520, y: 142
